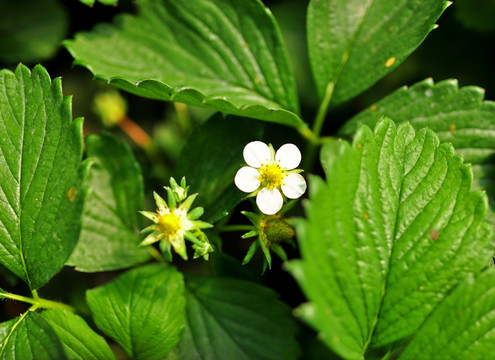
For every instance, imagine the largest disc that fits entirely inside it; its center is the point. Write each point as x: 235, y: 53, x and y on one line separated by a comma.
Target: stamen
x: 272, y: 175
x: 169, y: 224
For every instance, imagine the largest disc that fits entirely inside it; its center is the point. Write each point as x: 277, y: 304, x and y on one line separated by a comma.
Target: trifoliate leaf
x: 40, y: 156
x: 235, y: 319
x: 142, y: 310
x: 78, y: 339
x: 354, y: 43
x: 459, y: 116
x: 389, y: 234
x: 462, y: 326
x: 218, y: 54
x: 31, y: 30
x: 210, y: 166
x: 111, y: 223
x: 29, y: 337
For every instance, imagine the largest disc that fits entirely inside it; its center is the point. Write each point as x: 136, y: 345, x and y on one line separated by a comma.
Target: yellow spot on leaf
x: 71, y: 194
x: 390, y: 62
x: 366, y: 216
x: 421, y: 288
x: 256, y: 80
x: 434, y: 234
x: 373, y: 107
x: 452, y: 127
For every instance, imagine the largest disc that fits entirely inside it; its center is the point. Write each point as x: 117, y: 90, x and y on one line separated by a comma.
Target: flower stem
x: 36, y: 301
x: 155, y: 253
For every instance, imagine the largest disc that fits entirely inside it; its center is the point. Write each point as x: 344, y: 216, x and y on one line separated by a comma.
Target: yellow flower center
x: 272, y: 175
x: 169, y: 224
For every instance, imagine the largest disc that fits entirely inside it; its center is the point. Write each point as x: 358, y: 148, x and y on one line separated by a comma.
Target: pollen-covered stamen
x: 272, y: 175
x: 169, y: 224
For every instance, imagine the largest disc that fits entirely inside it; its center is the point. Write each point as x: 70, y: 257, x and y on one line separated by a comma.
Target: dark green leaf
x: 40, y: 155
x: 78, y: 339
x: 111, y: 223
x: 29, y: 337
x: 218, y: 54
x: 142, y: 310
x: 31, y: 30
x: 462, y: 327
x: 390, y: 233
x: 210, y: 165
x: 235, y: 319
x: 459, y: 116
x: 104, y: 2
x: 354, y: 43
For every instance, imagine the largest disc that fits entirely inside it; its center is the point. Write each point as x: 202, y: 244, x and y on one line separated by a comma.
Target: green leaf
x: 78, y: 339
x: 210, y: 165
x: 104, y: 2
x: 218, y: 54
x: 235, y: 319
x: 29, y: 337
x: 353, y: 44
x: 142, y: 310
x: 459, y: 116
x: 462, y: 326
x: 40, y: 156
x: 111, y: 223
x: 393, y: 229
x: 31, y: 30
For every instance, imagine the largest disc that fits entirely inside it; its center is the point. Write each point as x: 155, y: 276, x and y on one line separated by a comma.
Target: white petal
x: 293, y: 186
x: 256, y: 153
x: 288, y: 156
x: 269, y: 201
x: 247, y: 179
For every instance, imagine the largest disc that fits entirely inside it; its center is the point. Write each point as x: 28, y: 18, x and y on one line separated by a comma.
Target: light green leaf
x: 31, y: 30
x: 218, y: 54
x: 354, y: 43
x: 235, y: 319
x: 142, y: 310
x: 210, y: 166
x: 29, y: 337
x: 111, y: 222
x: 390, y: 233
x: 462, y: 327
x: 78, y: 339
x: 104, y: 2
x: 458, y: 116
x: 40, y: 156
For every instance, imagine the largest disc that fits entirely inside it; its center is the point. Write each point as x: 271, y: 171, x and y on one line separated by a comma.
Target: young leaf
x: 390, y: 233
x: 142, y: 310
x: 210, y: 166
x: 219, y: 54
x: 235, y: 319
x: 462, y: 326
x: 31, y: 30
x: 354, y: 43
x: 78, y: 339
x: 29, y: 337
x: 111, y: 222
x: 459, y: 116
x: 40, y: 155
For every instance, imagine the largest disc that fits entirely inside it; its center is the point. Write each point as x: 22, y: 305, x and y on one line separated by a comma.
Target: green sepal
x: 277, y: 249
x: 159, y: 200
x: 150, y: 239
x: 250, y: 234
x: 195, y: 213
x: 186, y: 205
x: 266, y: 252
x: 250, y: 253
x: 166, y: 250
x: 172, y: 201
x: 150, y: 215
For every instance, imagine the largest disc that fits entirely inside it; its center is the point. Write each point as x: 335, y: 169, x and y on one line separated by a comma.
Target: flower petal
x: 247, y: 179
x: 256, y: 153
x: 288, y: 156
x: 293, y: 186
x: 269, y: 201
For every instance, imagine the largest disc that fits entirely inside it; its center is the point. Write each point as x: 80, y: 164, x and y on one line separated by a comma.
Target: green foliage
x: 31, y: 30
x: 219, y: 54
x: 462, y: 326
x: 213, y: 183
x: 104, y: 2
x: 143, y: 310
x: 224, y: 321
x: 389, y: 234
x: 40, y: 154
x: 352, y: 44
x: 110, y: 221
x: 458, y: 116
x: 29, y: 337
x: 78, y: 339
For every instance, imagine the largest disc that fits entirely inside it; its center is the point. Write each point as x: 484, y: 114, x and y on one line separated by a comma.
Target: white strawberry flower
x: 270, y: 174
